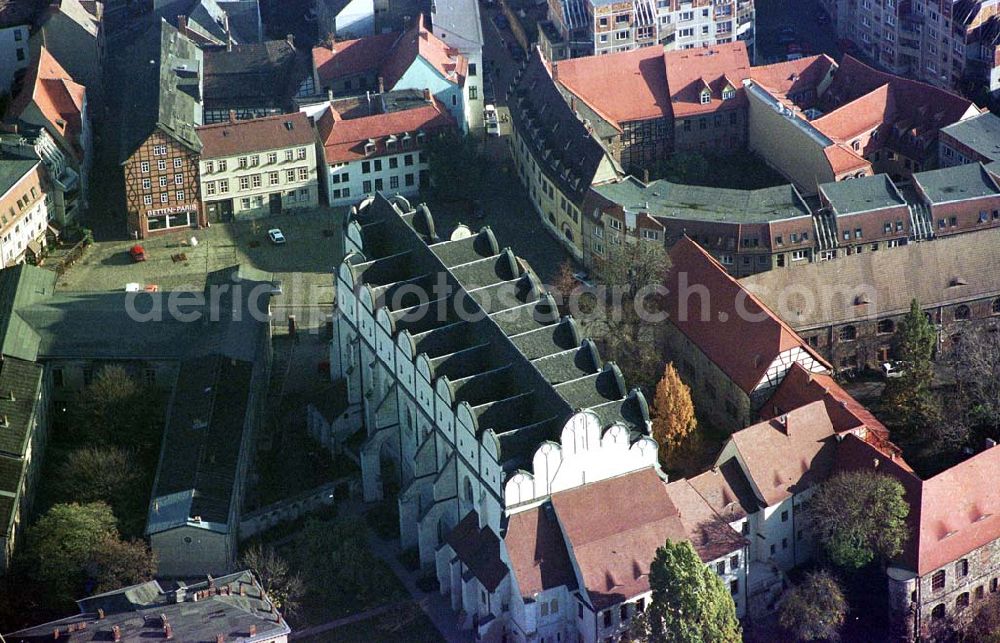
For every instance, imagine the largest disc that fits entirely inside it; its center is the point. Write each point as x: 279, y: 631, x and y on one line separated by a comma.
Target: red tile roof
x: 614, y: 528
x: 350, y: 57
x: 344, y: 140
x: 860, y: 116
x: 537, y: 551
x: 710, y: 535
x: 794, y: 76
x: 624, y: 86
x: 691, y: 70
x: 842, y: 159
x: 479, y: 550
x: 789, y: 454
x: 731, y: 326
x: 727, y: 491
x: 256, y: 135
x: 389, y: 55
x: 58, y: 97
x: 951, y: 514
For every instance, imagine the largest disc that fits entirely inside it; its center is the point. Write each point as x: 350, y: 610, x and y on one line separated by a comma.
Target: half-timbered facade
x: 159, y: 144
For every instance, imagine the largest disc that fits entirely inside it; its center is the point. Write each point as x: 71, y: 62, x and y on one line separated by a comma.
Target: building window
x: 255, y: 160
x: 289, y: 155
x: 962, y: 568
x: 937, y: 580
x: 720, y: 568
x: 938, y: 612
x: 962, y: 601
x: 244, y: 182
x: 962, y: 313
x: 272, y: 157
x: 472, y: 69
x: 147, y: 199
x: 178, y: 163
x: 245, y: 202
x: 885, y: 326
x: 607, y: 618
x: 734, y: 586
x: 301, y: 152
x: 289, y: 175
x: 210, y: 188
x: 473, y: 93
x: 147, y: 184
x: 409, y: 180
x: 623, y: 612
x: 273, y: 178
x: 366, y: 187
x: 243, y: 162
x: 164, y: 197
x: 224, y: 186
x: 848, y: 334
x: 393, y: 182
x: 161, y: 165
x: 178, y: 179
x: 255, y: 180
x: 144, y: 167
x: 180, y: 195
x: 784, y: 516
x: 163, y: 181
x: 303, y: 174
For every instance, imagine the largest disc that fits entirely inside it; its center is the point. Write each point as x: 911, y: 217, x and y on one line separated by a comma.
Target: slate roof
x: 524, y: 397
x: 680, y: 201
x: 161, y: 69
x: 254, y: 74
x: 788, y: 454
x: 979, y: 133
x: 956, y: 183
x: 936, y: 273
x: 457, y: 22
x: 537, y: 551
x: 13, y: 170
x: 202, y: 444
x: 256, y: 135
x: 545, y: 119
x: 479, y: 549
x: 227, y: 606
x: 19, y: 12
x: 728, y: 322
x: 20, y: 385
x: 206, y: 17
x: 862, y: 195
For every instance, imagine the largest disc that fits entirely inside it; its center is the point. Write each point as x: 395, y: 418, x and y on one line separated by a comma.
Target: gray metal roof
x: 457, y: 23
x: 956, y: 183
x: 862, y: 195
x: 699, y: 203
x: 20, y: 384
x: 20, y: 287
x: 162, y: 70
x: 980, y: 133
x: 203, y: 445
x: 228, y: 606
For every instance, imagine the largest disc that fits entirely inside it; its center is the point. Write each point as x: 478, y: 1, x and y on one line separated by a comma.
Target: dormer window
x: 370, y: 147
x: 706, y: 97
x: 407, y: 141
x: 390, y: 143
x: 421, y: 137
x: 728, y: 93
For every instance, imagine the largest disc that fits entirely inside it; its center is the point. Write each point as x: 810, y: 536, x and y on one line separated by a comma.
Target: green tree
x: 284, y: 587
x: 61, y: 545
x: 860, y: 515
x: 690, y: 604
x: 116, y: 409
x: 118, y: 563
x: 456, y: 167
x: 908, y: 398
x: 102, y: 473
x: 815, y: 608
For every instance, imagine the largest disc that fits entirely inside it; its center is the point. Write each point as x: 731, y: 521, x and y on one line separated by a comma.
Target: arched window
x: 886, y: 326
x: 962, y: 313
x: 848, y: 333
x: 938, y: 612
x: 467, y: 489
x: 962, y: 601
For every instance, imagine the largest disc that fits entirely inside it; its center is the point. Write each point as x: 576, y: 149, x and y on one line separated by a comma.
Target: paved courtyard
x: 304, y: 264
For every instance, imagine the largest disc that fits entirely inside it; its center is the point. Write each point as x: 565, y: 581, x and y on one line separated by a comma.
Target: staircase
x: 825, y: 223
x: 921, y: 223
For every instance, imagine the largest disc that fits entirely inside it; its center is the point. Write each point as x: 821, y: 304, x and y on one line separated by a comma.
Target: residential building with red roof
x: 727, y: 345
x: 51, y: 100
x: 259, y: 167
x: 377, y: 144
x: 415, y: 59
x: 73, y: 32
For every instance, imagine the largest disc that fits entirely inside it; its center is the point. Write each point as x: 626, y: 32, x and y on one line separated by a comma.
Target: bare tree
x: 976, y: 361
x: 284, y: 587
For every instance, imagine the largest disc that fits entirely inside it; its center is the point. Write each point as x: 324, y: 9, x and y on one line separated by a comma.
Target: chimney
x: 645, y: 175
x: 990, y: 443
x: 116, y: 633
x: 12, y: 398
x: 100, y: 613
x: 555, y: 72
x: 572, y: 104
x: 181, y: 593
x: 220, y: 638
x: 55, y: 633
x: 182, y: 24
x: 232, y: 116
x: 427, y: 95
x: 229, y: 43
x: 168, y: 631
x: 253, y: 630
x: 381, y: 85
x: 329, y: 94
x: 243, y: 589
x: 290, y: 39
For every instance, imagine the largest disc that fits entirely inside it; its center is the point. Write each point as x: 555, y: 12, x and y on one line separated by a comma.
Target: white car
x: 276, y: 237
x: 492, y: 120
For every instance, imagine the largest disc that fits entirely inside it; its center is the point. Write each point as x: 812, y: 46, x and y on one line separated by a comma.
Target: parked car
x: 137, y: 253
x: 276, y: 237
x: 892, y: 369
x: 492, y: 120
